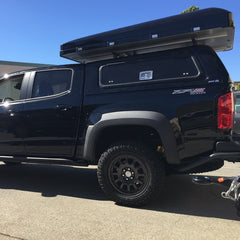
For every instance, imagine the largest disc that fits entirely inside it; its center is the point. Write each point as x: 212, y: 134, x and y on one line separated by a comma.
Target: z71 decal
x: 193, y: 91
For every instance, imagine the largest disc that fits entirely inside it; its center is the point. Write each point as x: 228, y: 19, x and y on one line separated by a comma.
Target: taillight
x: 225, y: 111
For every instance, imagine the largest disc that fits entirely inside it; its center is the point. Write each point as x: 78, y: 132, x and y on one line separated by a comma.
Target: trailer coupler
x: 233, y: 193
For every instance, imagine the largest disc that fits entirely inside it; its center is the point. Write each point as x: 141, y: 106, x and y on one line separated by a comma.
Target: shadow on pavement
x: 52, y: 180
x: 180, y: 195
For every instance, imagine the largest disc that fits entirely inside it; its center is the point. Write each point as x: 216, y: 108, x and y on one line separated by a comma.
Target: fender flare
x: 152, y: 119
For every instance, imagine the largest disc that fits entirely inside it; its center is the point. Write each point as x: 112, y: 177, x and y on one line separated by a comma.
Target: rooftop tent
x: 213, y: 27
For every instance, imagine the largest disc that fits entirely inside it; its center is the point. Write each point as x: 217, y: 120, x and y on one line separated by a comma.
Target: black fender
x: 145, y: 118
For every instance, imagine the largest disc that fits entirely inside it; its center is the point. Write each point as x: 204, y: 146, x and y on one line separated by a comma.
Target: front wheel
x: 130, y: 174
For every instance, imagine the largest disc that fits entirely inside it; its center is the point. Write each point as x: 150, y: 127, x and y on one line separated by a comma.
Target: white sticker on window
x: 146, y: 75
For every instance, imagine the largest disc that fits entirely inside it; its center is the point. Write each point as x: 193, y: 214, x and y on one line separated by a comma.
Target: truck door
x: 12, y: 95
x: 52, y: 112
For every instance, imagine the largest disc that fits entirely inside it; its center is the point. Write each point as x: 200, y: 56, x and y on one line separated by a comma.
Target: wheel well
x: 111, y: 135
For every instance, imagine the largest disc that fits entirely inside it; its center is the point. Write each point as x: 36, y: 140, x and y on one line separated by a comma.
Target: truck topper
x: 213, y: 27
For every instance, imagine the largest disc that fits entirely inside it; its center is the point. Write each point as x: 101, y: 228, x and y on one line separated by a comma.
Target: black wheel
x: 130, y: 174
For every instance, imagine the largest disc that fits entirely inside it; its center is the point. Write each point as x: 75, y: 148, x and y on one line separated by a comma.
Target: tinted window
x: 10, y: 88
x: 213, y: 64
x: 164, y: 68
x: 48, y: 83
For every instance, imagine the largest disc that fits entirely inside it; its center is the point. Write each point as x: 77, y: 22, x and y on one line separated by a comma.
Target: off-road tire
x: 130, y: 174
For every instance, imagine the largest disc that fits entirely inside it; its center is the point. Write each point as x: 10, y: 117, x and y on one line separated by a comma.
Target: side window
x: 167, y: 65
x: 10, y: 88
x: 51, y: 82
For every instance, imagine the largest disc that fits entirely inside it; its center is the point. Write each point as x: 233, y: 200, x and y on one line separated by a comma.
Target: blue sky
x: 33, y: 30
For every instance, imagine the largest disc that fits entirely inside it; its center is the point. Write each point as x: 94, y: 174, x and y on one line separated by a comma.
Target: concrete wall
x: 8, y: 67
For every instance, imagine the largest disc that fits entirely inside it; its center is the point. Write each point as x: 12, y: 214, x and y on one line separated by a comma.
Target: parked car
x: 137, y: 114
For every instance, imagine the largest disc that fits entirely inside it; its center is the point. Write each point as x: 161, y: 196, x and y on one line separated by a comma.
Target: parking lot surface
x: 62, y: 202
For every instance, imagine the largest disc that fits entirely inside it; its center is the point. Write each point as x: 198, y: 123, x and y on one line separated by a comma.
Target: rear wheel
x: 130, y: 174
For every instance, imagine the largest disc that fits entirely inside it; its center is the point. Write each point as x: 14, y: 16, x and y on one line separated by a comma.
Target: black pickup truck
x: 138, y: 109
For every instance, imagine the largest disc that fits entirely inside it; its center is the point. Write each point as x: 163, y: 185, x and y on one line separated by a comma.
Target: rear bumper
x: 228, y: 146
x: 229, y: 151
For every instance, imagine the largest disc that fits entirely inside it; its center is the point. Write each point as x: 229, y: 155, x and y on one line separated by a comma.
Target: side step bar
x: 55, y: 161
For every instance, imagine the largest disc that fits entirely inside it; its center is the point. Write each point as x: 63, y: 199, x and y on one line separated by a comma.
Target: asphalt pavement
x: 63, y: 202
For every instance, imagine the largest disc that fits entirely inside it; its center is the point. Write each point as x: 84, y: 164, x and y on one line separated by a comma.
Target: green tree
x: 237, y: 86
x: 190, y: 9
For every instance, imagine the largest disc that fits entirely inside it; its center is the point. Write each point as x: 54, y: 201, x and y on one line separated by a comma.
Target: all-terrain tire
x: 130, y: 174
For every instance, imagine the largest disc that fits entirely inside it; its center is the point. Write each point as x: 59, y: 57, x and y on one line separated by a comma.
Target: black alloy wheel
x: 130, y: 174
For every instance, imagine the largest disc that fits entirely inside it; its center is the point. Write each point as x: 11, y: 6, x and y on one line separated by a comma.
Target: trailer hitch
x: 233, y: 193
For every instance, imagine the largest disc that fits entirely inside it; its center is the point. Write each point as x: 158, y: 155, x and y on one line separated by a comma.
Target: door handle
x: 63, y: 107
